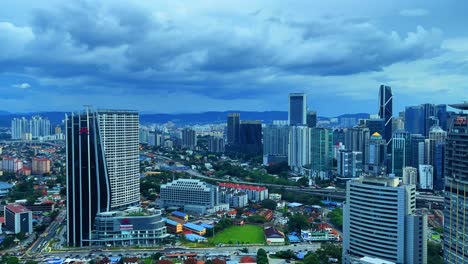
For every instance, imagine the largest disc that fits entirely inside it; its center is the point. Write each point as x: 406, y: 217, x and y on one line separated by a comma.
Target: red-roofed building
x: 254, y: 193
x: 232, y: 213
x: 248, y: 260
x: 18, y: 219
x: 40, y: 165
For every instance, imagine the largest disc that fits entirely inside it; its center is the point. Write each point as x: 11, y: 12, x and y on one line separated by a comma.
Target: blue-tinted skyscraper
x: 414, y: 119
x: 386, y: 112
x: 297, y: 109
x: 401, y: 152
x: 251, y: 137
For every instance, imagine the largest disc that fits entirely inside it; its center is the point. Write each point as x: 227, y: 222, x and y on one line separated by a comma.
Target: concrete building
x: 11, y: 164
x: 297, y: 114
x: 189, y: 138
x: 40, y: 165
x: 426, y: 177
x: 39, y: 127
x: 18, y: 219
x: 321, y: 154
x: 456, y: 190
x: 410, y: 176
x: 275, y: 143
x: 19, y: 126
x: 133, y: 227
x: 349, y: 164
x: 216, y: 145
x: 254, y: 193
x: 193, y: 196
x: 299, y: 148
x: 380, y: 220
x: 102, y: 168
x: 376, y: 158
x: 233, y: 129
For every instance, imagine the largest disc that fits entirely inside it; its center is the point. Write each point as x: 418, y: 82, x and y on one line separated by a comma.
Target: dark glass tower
x: 102, y: 168
x: 297, y: 109
x: 386, y: 112
x: 233, y: 128
x: 311, y: 119
x: 251, y: 137
x: 456, y: 190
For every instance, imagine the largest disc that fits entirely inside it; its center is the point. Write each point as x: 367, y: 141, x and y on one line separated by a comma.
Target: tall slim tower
x: 297, y: 109
x: 386, y: 112
x: 456, y: 190
x: 102, y: 168
x: 233, y: 128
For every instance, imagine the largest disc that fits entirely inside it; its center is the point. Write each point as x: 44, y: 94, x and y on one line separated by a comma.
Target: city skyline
x: 220, y: 55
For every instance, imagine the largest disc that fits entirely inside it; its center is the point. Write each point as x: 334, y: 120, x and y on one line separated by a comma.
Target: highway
x: 39, y: 245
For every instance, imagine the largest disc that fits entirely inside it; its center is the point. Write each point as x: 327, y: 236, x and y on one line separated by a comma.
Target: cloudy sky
x: 194, y: 56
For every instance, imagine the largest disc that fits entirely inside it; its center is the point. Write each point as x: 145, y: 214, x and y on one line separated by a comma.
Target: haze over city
x: 165, y: 57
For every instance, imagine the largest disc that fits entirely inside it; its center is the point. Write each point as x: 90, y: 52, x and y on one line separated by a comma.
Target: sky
x: 196, y: 56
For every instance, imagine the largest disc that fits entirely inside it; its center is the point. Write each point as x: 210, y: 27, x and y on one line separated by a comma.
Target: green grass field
x: 247, y: 234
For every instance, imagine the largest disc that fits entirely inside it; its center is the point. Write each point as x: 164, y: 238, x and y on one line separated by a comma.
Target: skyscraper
x: 401, y: 152
x: 376, y: 155
x: 102, y: 168
x: 456, y: 190
x: 275, y: 143
x: 386, y: 112
x: 251, y: 137
x: 349, y: 164
x: 189, y: 138
x: 39, y: 127
x: 311, y: 119
x: 380, y: 220
x: 297, y: 109
x: 233, y: 128
x: 298, y: 148
x: 19, y: 126
x: 321, y: 155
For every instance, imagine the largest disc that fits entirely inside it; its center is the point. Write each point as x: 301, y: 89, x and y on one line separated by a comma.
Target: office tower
x: 398, y: 123
x: 39, y: 127
x: 311, y: 119
x: 349, y: 163
x: 18, y: 219
x: 436, y: 152
x: 376, y: 155
x: 216, y: 145
x: 414, y: 119
x: 251, y: 137
x: 456, y: 189
x: 297, y: 109
x: 40, y: 166
x: 339, y: 136
x: 441, y: 115
x: 321, y: 155
x: 347, y: 122
x: 417, y: 150
x: 356, y: 139
x: 189, y: 138
x: 151, y: 138
x: 233, y: 129
x: 380, y: 220
x: 193, y: 195
x: 143, y: 135
x: 275, y: 143
x: 298, y: 148
x: 385, y: 113
x: 410, y: 176
x: 19, y: 126
x: 102, y: 168
x: 401, y: 152
x: 426, y: 176
x: 57, y: 130
x: 375, y: 125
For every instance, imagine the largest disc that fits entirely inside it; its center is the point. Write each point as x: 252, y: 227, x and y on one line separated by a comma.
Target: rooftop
x: 462, y: 106
x: 194, y: 227
x: 5, y: 185
x: 17, y: 208
x: 241, y: 186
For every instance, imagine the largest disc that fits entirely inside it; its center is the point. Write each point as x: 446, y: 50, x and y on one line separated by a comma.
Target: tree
x: 262, y: 257
x: 298, y: 222
x: 208, y: 261
x: 434, y: 253
x: 269, y: 204
x: 311, y: 258
x: 336, y: 217
x: 244, y: 250
x: 156, y: 256
x: 12, y: 260
x: 304, y: 181
x: 329, y: 250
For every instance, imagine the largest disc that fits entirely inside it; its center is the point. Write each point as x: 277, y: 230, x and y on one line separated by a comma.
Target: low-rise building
x: 274, y: 236
x: 18, y: 219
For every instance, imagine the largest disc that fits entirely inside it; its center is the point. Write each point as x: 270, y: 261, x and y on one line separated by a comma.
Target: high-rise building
x: 356, y: 139
x: 40, y: 166
x: 419, y: 119
x: 417, y: 150
x: 401, y: 152
x: 297, y: 109
x: 251, y: 137
x: 233, y: 129
x: 380, y: 221
x: 321, y: 154
x: 298, y: 148
x: 385, y: 113
x: 375, y: 125
x: 19, y: 126
x: 410, y: 176
x: 311, y: 119
x: 413, y: 119
x: 426, y: 176
x: 102, y: 168
x: 216, y: 144
x: 143, y: 135
x: 275, y: 143
x: 39, y: 127
x: 189, y: 138
x: 376, y: 155
x: 436, y: 152
x: 349, y: 164
x: 456, y: 190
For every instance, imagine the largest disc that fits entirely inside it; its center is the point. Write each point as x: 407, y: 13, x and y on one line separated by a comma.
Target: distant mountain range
x: 189, y: 118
